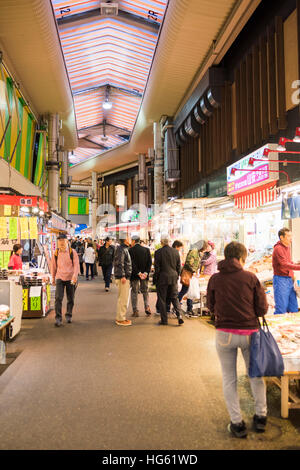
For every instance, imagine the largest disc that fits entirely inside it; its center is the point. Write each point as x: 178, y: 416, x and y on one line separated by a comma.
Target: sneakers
x: 238, y: 430
x: 69, y: 319
x: 58, y: 322
x: 148, y: 312
x: 106, y: 289
x: 135, y: 314
x: 259, y: 423
x: 123, y: 323
x: 180, y: 321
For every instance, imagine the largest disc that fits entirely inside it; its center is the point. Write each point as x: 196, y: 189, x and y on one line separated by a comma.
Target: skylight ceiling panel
x: 73, y: 7
x: 152, y: 10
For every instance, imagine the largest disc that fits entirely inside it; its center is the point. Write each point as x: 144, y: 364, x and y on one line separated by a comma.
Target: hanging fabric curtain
x: 78, y: 205
x: 39, y: 171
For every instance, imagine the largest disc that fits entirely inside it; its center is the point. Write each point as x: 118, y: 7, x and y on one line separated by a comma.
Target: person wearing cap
x: 64, y: 272
x: 106, y: 256
x: 167, y: 270
x: 141, y: 266
x: 192, y: 265
x: 122, y: 272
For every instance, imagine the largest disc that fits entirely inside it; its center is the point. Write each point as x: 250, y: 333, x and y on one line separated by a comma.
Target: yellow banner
x: 3, y: 227
x: 24, y: 228
x: 7, y: 210
x: 33, y: 228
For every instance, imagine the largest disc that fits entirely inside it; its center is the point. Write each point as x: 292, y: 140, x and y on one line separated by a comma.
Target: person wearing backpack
x: 64, y: 272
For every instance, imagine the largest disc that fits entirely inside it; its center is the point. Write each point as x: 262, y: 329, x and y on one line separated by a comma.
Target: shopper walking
x: 89, y: 259
x: 64, y: 272
x: 122, y: 271
x: 106, y: 256
x: 236, y: 318
x: 80, y: 251
x: 283, y: 281
x: 141, y: 266
x: 167, y: 270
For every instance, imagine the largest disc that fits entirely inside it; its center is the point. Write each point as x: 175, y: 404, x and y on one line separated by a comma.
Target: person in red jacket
x: 237, y: 299
x: 283, y: 281
x: 15, y: 261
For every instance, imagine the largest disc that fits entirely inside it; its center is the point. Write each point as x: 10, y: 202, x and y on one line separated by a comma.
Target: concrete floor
x: 94, y: 385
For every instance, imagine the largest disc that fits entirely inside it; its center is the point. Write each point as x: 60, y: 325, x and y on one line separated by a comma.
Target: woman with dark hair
x: 237, y: 299
x: 15, y: 261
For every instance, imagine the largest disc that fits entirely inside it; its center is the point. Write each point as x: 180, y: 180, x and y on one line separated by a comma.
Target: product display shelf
x: 286, y: 331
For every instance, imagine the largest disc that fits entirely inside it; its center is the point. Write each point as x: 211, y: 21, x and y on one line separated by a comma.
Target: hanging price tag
x: 35, y: 303
x: 25, y: 300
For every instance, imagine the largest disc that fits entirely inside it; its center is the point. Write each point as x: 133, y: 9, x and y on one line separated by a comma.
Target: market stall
x: 21, y: 222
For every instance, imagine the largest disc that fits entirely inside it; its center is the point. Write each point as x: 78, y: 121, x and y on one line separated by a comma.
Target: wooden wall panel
x: 272, y: 82
x: 280, y: 74
x: 250, y: 101
x: 264, y: 101
x: 257, y: 133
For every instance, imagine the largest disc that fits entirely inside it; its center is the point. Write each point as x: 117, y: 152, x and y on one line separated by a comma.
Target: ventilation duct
x: 204, y: 100
x: 191, y: 126
x: 171, y: 155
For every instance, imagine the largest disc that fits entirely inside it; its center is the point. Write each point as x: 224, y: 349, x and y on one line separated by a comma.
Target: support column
x: 158, y: 167
x: 64, y: 185
x: 143, y: 199
x: 53, y: 163
x: 94, y: 204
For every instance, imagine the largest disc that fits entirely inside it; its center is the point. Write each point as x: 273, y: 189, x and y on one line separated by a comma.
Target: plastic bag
x: 194, y: 289
x: 2, y: 353
x: 297, y: 287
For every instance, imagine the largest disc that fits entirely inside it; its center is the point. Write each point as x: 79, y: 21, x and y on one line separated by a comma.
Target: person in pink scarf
x: 209, y: 260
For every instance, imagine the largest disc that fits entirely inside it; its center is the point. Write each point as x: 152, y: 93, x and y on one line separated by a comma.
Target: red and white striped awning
x: 256, y: 197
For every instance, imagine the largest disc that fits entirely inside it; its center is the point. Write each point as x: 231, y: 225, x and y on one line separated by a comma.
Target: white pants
x: 123, y: 299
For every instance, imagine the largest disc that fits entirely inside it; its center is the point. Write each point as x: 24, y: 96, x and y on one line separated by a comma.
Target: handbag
x: 185, y: 277
x: 265, y: 357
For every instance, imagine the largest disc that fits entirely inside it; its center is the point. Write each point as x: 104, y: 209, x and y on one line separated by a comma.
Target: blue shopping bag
x: 265, y: 357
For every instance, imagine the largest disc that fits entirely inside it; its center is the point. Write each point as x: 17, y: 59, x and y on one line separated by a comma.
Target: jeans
x: 81, y: 268
x: 181, y: 294
x: 136, y: 285
x: 89, y: 266
x: 227, y: 345
x: 107, y: 270
x: 284, y: 295
x: 59, y: 295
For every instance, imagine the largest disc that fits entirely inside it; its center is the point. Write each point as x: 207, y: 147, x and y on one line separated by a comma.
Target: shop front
x: 23, y: 289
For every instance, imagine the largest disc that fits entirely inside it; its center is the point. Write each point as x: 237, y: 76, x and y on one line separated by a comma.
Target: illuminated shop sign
x: 253, y: 170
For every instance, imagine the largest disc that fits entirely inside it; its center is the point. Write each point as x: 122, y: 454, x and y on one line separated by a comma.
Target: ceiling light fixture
x: 107, y: 104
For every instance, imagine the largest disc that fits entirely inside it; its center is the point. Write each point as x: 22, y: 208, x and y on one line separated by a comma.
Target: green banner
x: 13, y: 228
x: 35, y: 303
x: 6, y: 256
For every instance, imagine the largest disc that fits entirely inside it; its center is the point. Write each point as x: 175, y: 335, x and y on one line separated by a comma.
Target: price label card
x: 3, y: 227
x: 33, y: 228
x: 35, y: 303
x: 7, y: 210
x: 48, y: 293
x: 13, y: 228
x: 6, y: 256
x: 24, y: 228
x: 25, y: 300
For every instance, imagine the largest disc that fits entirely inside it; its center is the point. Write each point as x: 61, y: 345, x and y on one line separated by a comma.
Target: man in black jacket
x: 122, y: 271
x: 167, y: 270
x: 141, y: 266
x: 106, y: 256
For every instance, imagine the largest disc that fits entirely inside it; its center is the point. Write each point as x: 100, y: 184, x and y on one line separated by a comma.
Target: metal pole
x: 64, y: 185
x: 158, y: 167
x: 53, y: 163
x: 94, y: 204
